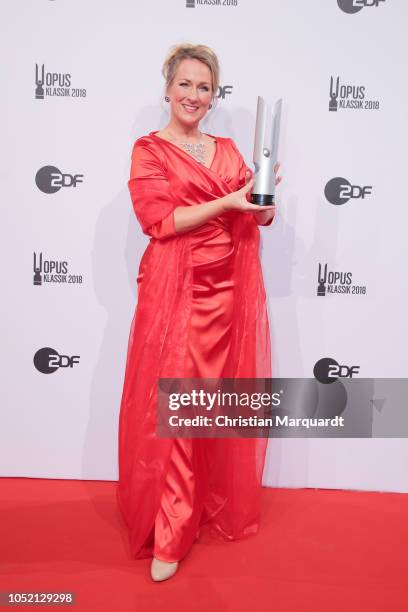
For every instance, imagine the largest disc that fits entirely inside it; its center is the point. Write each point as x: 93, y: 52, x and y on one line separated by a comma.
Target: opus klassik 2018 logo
x: 349, y: 96
x: 55, y: 84
x: 200, y: 3
x: 55, y: 271
x: 335, y: 282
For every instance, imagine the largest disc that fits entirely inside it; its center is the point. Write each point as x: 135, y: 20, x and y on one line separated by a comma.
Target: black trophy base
x: 262, y: 199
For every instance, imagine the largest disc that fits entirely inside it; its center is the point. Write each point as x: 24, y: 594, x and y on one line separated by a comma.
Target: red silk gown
x: 201, y: 312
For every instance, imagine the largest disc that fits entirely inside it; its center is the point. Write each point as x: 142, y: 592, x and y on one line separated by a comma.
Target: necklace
x: 196, y: 149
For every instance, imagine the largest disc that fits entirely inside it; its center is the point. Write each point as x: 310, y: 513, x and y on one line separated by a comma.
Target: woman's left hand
x: 278, y: 178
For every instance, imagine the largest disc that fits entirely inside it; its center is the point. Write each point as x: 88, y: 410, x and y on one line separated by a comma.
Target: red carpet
x: 319, y: 550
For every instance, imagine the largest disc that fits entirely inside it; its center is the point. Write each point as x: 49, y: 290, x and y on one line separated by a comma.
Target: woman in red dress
x: 201, y: 313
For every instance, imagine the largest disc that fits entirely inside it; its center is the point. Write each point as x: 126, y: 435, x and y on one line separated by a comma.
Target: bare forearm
x: 190, y: 217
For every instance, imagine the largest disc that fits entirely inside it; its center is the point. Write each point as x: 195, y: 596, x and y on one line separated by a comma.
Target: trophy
x: 265, y: 153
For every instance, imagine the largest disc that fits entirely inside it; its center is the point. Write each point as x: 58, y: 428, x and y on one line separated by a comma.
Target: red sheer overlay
x: 228, y: 471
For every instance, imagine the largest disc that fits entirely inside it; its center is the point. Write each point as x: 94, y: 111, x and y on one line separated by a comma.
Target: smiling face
x: 190, y: 92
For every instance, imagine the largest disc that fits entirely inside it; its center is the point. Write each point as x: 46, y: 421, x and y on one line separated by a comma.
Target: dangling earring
x: 210, y: 106
x: 167, y: 98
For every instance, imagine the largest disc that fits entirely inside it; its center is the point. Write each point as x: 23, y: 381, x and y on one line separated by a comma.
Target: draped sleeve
x: 243, y: 168
x: 150, y: 191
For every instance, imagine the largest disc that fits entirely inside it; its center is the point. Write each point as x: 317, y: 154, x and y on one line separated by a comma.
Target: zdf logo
x: 47, y: 360
x: 327, y: 370
x: 354, y: 6
x: 50, y: 180
x: 224, y: 90
x: 339, y: 191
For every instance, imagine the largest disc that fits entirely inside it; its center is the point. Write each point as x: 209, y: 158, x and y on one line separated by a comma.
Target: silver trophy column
x: 265, y: 153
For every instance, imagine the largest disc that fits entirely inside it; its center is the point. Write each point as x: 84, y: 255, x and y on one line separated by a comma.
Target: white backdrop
x: 107, y: 56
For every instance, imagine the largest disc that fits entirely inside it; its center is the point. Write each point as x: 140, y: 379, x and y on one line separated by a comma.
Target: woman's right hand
x: 237, y: 200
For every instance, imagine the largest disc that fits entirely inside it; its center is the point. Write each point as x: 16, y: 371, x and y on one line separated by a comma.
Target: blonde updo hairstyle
x: 188, y: 51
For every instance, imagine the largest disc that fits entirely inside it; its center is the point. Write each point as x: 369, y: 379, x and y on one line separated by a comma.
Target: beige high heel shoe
x: 162, y: 570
